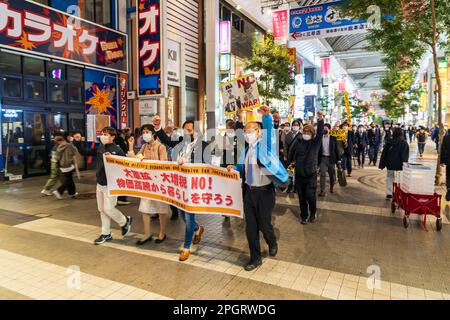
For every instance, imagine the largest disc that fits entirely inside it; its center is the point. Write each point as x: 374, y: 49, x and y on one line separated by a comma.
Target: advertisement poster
x: 322, y: 21
x: 195, y: 188
x: 240, y: 94
x: 149, y: 46
x: 30, y: 27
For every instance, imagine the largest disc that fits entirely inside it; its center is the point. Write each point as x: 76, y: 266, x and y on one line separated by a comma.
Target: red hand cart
x: 420, y: 204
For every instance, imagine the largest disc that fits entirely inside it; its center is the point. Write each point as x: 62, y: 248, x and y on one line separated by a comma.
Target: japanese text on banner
x: 195, y: 188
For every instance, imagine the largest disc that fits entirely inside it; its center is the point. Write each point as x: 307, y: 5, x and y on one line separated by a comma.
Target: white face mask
x: 104, y: 139
x: 231, y: 133
x: 307, y: 137
x: 148, y: 137
x: 296, y: 128
x: 70, y: 139
x: 251, y: 138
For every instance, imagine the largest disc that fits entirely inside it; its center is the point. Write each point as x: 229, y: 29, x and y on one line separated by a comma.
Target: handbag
x: 342, y: 179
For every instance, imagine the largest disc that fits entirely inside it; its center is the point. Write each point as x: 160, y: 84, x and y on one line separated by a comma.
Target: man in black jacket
x: 445, y: 159
x: 328, y: 158
x: 347, y: 158
x: 107, y: 204
x: 374, y: 136
x: 305, y: 154
x: 361, y: 143
x: 188, y: 149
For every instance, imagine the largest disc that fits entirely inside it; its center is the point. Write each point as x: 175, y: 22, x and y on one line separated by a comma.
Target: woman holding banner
x: 189, y: 149
x: 151, y: 150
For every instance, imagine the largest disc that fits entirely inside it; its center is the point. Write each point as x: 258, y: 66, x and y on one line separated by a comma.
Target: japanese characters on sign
x: 27, y: 26
x: 240, y: 94
x: 123, y: 101
x: 280, y: 20
x: 322, y: 21
x: 196, y: 188
x: 325, y: 67
x: 150, y: 45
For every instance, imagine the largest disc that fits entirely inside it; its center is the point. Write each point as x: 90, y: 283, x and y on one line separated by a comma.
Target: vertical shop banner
x: 240, y: 94
x: 29, y: 27
x: 280, y: 21
x: 123, y: 101
x: 173, y: 63
x: 225, y: 37
x: 150, y: 48
x: 325, y: 67
x: 196, y: 188
x: 322, y: 21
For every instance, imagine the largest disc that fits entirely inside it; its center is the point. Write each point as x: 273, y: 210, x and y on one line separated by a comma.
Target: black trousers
x: 67, y: 183
x: 361, y: 153
x: 307, y: 194
x: 258, y: 207
x: 347, y: 163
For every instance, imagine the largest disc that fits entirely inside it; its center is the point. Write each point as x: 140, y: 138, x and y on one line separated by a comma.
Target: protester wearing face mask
x: 295, y: 131
x: 374, y: 136
x: 422, y: 137
x: 107, y: 204
x: 305, y: 154
x: 229, y: 152
x: 151, y: 150
x: 188, y: 149
x: 361, y: 143
x: 328, y: 159
x: 348, y: 150
x: 259, y: 168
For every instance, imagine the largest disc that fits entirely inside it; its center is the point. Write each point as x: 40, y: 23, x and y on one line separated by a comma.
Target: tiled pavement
x: 356, y: 233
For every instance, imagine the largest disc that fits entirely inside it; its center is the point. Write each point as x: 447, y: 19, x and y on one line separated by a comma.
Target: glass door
x: 13, y: 141
x: 36, y: 143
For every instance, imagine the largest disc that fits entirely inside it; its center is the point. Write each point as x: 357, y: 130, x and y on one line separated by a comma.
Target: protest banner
x: 194, y: 188
x: 240, y: 94
x: 340, y: 134
x: 347, y: 106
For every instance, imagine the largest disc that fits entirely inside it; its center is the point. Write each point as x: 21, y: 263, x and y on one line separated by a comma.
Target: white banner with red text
x: 194, y: 188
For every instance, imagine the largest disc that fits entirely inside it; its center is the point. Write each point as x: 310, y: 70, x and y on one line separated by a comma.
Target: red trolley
x: 420, y: 204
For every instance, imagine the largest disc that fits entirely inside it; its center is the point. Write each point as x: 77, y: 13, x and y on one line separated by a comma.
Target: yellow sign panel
x: 340, y: 134
x: 347, y: 105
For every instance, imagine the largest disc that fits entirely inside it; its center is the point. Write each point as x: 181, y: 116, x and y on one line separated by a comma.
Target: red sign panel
x: 280, y: 20
x: 325, y: 67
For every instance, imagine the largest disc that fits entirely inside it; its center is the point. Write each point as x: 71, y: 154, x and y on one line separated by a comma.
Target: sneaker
x: 127, y: 227
x: 74, y: 195
x: 102, y: 239
x: 46, y: 192
x: 312, y: 219
x: 58, y: 195
x: 304, y: 222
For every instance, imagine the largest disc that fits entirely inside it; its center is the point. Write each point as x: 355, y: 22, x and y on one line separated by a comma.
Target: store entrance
x: 25, y: 142
x: 28, y: 137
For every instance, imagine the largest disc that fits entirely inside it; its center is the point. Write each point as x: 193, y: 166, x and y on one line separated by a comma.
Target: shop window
x: 103, y: 12
x: 33, y: 67
x: 56, y: 71
x: 10, y: 63
x: 34, y: 89
x: 12, y: 87
x: 75, y: 74
x: 75, y: 93
x: 57, y: 92
x: 238, y: 23
x: 226, y: 14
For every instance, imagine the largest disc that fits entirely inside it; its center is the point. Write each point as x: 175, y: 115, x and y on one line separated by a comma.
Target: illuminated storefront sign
x: 30, y: 27
x: 225, y: 37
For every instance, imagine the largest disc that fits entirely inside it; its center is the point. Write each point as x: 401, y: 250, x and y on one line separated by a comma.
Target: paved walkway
x: 46, y: 251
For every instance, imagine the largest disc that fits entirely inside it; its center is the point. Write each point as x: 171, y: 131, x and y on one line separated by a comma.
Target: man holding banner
x: 260, y: 168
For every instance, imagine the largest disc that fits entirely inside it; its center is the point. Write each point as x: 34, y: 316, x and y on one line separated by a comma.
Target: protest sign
x: 194, y: 188
x: 340, y: 134
x: 240, y: 94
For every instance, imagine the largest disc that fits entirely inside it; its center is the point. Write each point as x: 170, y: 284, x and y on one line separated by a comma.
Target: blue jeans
x: 191, y: 227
